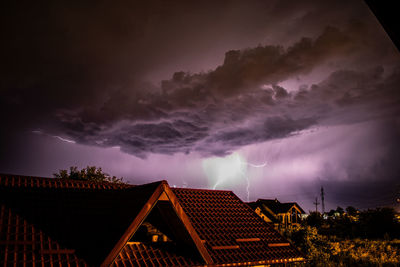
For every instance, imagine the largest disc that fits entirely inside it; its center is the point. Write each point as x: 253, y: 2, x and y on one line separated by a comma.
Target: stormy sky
x: 270, y: 99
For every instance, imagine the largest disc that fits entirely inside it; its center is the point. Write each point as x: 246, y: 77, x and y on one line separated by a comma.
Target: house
x: 280, y: 215
x: 59, y: 222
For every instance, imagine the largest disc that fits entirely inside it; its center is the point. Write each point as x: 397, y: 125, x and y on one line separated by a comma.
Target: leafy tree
x: 351, y: 211
x: 331, y: 213
x: 90, y: 173
x: 379, y: 223
x: 315, y: 219
x: 340, y: 210
x: 323, y: 251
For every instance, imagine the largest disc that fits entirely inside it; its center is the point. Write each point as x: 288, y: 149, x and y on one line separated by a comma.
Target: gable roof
x: 291, y: 204
x: 161, y: 192
x: 78, y: 214
x: 231, y: 231
x: 277, y: 207
x: 270, y: 215
x: 92, y: 223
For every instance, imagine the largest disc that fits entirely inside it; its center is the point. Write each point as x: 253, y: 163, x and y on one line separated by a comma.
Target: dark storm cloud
x: 82, y: 76
x: 163, y: 137
x: 215, y: 127
x: 68, y: 55
x: 245, y: 70
x: 271, y: 128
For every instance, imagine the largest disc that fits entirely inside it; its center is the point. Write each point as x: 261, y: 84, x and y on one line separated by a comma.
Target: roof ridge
x: 7, y: 180
x: 201, y: 189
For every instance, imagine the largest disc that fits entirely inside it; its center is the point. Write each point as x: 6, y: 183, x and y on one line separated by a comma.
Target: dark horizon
x: 267, y: 99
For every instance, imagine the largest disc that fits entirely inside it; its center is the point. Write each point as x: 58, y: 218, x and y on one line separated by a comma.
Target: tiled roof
x: 255, y: 205
x: 231, y: 231
x: 22, y: 244
x: 295, y: 204
x: 152, y: 255
x: 77, y: 223
x: 277, y: 207
x: 39, y: 182
x: 78, y: 216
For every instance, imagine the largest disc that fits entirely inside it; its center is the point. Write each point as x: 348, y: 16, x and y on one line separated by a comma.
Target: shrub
x: 327, y: 251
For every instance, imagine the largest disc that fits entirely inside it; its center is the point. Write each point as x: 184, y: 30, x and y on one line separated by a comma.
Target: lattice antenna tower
x: 323, y: 199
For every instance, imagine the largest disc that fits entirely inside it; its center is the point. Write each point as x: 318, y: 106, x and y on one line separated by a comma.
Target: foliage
x: 315, y: 219
x: 351, y: 238
x: 90, y: 173
x: 364, y: 252
x: 327, y: 251
x: 377, y: 223
x: 340, y: 210
x: 313, y: 245
x: 331, y: 213
x: 351, y: 211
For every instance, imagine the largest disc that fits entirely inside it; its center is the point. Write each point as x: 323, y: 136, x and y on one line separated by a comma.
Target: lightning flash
x: 229, y: 171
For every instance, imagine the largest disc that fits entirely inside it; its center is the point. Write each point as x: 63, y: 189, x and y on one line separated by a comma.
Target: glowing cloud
x: 224, y: 171
x: 228, y: 171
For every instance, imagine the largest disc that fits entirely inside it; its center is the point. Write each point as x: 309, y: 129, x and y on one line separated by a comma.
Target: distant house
x: 59, y: 222
x: 280, y: 215
x: 397, y: 217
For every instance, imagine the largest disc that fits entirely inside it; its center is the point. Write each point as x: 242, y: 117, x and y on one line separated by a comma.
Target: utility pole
x: 322, y: 200
x: 316, y: 203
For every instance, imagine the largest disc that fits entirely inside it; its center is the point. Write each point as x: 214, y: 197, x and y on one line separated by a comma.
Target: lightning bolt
x: 234, y: 166
x: 216, y: 184
x: 247, y: 177
x: 39, y: 132
x: 257, y: 166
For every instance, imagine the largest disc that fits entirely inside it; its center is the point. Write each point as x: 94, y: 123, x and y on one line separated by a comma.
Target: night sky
x: 270, y: 99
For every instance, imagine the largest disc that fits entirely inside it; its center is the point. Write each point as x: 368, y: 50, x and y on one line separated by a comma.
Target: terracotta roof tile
x: 39, y: 182
x: 276, y: 206
x: 22, y: 244
x: 76, y: 216
x: 222, y: 219
x: 60, y: 222
x: 152, y: 255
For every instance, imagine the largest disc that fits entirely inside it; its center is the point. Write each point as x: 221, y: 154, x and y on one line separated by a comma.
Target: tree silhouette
x: 351, y: 211
x: 90, y: 173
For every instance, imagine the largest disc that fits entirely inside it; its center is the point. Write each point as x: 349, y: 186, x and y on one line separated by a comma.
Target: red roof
x: 22, y: 244
x: 57, y: 221
x: 275, y: 206
x: 151, y: 255
x: 39, y: 182
x: 231, y: 230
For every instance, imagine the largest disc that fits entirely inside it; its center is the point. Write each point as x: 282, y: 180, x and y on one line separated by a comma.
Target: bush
x: 377, y: 223
x: 324, y: 251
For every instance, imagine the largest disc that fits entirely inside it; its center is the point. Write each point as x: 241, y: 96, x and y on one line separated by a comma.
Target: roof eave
x: 262, y: 262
